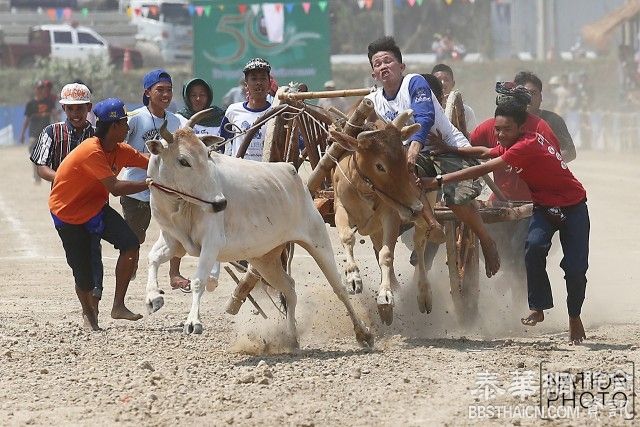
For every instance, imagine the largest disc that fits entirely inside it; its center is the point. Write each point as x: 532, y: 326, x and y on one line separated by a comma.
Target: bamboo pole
x: 286, y: 96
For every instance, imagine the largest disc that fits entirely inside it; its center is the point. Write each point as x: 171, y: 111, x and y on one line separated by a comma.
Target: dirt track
x: 422, y: 370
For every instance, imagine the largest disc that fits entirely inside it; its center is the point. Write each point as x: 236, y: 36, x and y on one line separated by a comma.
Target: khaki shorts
x: 137, y: 214
x: 455, y: 193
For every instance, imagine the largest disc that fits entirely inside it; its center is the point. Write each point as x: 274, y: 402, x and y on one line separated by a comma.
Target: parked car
x: 66, y: 42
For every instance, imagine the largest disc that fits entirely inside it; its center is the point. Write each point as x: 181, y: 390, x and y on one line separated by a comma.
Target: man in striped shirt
x: 57, y: 140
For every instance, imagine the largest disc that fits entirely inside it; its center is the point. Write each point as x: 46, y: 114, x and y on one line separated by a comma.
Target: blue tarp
x: 12, y: 115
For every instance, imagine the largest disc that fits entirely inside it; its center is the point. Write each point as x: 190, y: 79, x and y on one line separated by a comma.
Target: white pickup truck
x: 165, y: 25
x: 66, y: 42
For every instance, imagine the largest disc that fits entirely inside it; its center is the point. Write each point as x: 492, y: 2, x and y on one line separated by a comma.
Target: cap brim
x: 72, y: 102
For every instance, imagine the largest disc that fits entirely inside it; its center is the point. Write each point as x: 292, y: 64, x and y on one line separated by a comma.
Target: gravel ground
x: 423, y: 369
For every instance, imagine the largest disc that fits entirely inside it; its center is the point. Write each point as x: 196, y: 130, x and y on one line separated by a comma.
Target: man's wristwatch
x: 439, y: 180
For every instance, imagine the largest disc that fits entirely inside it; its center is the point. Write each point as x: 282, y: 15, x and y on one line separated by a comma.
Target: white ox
x: 223, y: 208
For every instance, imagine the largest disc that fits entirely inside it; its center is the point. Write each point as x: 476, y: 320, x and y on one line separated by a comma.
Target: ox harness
x: 368, y: 182
x: 214, y: 205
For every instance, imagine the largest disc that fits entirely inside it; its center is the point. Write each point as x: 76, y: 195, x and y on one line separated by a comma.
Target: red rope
x: 172, y: 191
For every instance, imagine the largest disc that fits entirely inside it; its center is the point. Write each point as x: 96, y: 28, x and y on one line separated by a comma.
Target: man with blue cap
x: 145, y: 126
x: 79, y: 205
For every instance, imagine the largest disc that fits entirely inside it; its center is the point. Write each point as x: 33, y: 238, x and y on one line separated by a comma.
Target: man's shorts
x: 455, y: 193
x: 137, y: 214
x: 76, y: 241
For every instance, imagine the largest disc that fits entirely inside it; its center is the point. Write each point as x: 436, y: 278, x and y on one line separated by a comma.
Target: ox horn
x: 199, y: 116
x: 402, y: 118
x: 165, y: 134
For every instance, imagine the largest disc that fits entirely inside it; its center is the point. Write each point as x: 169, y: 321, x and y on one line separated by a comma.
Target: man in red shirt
x: 484, y: 135
x: 79, y: 206
x: 559, y: 205
x: 510, y: 236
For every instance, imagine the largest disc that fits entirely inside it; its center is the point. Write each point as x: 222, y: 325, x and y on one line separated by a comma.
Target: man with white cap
x: 57, y: 140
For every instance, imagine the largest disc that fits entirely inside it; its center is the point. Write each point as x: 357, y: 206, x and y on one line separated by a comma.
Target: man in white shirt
x: 444, y: 73
x: 242, y: 115
x: 400, y: 92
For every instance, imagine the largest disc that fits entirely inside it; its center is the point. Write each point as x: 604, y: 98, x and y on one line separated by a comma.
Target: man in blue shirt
x: 400, y: 92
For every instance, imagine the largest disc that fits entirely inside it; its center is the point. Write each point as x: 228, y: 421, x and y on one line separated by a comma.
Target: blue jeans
x: 574, y: 237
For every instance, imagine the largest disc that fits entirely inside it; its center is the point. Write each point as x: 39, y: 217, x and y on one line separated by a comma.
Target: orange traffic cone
x: 127, y: 65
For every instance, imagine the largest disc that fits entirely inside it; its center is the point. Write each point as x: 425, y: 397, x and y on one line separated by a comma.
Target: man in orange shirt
x: 79, y: 206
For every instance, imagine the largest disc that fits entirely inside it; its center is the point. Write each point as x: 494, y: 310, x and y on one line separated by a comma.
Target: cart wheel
x: 463, y: 262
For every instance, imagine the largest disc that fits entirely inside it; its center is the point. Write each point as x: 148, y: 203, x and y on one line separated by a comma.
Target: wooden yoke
x: 352, y: 128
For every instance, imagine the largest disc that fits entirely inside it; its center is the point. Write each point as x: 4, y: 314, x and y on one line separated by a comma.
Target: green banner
x: 293, y: 36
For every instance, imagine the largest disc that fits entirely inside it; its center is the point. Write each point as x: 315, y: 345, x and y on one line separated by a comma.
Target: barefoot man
x: 79, y: 206
x: 559, y: 205
x: 400, y: 92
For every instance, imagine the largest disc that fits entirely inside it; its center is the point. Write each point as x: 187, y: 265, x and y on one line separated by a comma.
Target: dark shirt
x: 39, y: 113
x: 56, y: 141
x: 559, y: 127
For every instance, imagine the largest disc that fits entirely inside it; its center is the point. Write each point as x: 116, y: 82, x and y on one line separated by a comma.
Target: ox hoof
x: 365, y: 338
x: 212, y: 284
x: 386, y: 313
x: 193, y: 328
x: 385, y: 306
x: 155, y: 304
x: 354, y: 282
x: 424, y: 303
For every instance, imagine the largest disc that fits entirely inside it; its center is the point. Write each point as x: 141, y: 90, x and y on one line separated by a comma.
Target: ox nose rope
x: 170, y: 190
x: 362, y: 176
x: 377, y: 190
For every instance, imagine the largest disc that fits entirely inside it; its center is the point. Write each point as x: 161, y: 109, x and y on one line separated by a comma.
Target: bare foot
x: 123, y: 312
x: 576, y: 331
x: 90, y: 322
x: 535, y: 317
x: 491, y: 257
x: 179, y: 282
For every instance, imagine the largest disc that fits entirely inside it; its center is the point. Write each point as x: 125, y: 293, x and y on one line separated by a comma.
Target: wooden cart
x: 292, y: 120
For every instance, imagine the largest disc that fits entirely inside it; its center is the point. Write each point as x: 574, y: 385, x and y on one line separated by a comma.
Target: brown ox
x: 374, y: 194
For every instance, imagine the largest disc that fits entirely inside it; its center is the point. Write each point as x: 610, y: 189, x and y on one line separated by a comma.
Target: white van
x: 167, y: 24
